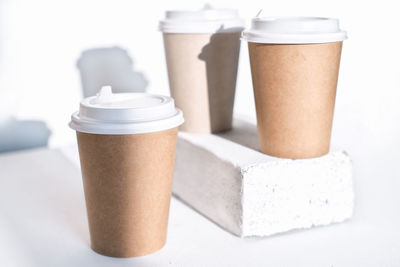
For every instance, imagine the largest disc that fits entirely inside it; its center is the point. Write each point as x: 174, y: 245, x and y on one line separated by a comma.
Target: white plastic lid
x: 294, y: 30
x: 125, y: 113
x: 205, y: 20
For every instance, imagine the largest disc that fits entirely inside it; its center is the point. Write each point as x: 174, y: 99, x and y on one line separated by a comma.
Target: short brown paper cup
x: 127, y: 182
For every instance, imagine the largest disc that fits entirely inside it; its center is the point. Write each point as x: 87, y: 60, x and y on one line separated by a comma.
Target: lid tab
x: 105, y: 95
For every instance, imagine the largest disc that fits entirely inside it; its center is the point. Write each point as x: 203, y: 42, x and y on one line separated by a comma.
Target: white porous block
x: 249, y: 193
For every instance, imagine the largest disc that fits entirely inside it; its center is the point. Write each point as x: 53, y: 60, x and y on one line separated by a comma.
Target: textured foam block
x: 248, y: 193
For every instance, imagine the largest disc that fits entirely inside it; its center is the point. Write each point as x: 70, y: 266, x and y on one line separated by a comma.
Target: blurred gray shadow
x: 243, y: 133
x: 221, y: 56
x: 109, y: 66
x: 22, y: 134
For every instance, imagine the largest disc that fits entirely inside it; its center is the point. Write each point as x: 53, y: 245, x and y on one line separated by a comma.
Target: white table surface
x: 43, y: 223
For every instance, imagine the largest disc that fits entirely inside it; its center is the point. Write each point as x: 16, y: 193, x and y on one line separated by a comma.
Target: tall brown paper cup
x: 127, y: 181
x: 202, y: 71
x: 127, y: 150
x: 294, y: 90
x: 202, y: 54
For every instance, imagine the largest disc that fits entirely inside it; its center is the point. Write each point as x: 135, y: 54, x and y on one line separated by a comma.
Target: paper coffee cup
x: 127, y: 147
x: 202, y: 53
x: 294, y: 64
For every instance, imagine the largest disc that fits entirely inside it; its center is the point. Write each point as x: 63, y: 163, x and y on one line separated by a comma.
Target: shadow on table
x: 243, y: 133
x: 22, y: 134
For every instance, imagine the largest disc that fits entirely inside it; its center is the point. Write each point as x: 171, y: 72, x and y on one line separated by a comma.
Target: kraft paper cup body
x: 127, y: 178
x: 202, y: 53
x: 127, y: 182
x: 295, y: 85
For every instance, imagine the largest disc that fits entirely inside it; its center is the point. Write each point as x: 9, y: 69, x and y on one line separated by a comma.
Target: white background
x: 40, y: 42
